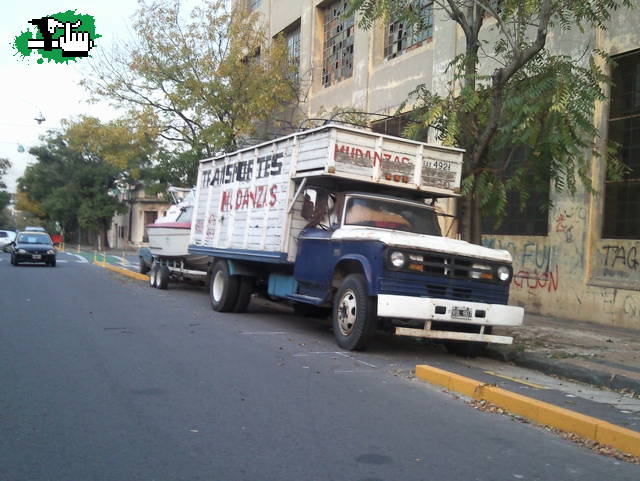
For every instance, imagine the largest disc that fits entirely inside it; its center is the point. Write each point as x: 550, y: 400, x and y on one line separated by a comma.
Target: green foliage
x: 77, y: 174
x: 204, y: 80
x: 535, y: 104
x: 5, y: 197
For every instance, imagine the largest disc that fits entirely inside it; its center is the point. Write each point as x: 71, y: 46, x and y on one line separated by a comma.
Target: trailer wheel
x: 143, y: 267
x: 354, y: 314
x: 153, y: 275
x: 245, y: 289
x: 162, y: 281
x: 223, y: 288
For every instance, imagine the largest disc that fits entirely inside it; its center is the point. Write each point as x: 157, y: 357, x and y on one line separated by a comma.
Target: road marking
x: 526, y: 383
x: 260, y: 333
x: 334, y: 353
x: 81, y: 259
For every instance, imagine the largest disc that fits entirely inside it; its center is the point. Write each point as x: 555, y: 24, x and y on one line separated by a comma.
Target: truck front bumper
x: 445, y: 310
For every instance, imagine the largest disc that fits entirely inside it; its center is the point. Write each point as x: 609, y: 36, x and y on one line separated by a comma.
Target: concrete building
x: 128, y: 229
x: 580, y: 259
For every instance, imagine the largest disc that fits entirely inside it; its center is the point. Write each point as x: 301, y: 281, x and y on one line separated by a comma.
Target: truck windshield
x: 386, y: 214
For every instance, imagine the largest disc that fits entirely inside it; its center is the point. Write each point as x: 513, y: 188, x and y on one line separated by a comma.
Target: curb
x: 623, y: 439
x: 556, y: 367
x: 126, y: 272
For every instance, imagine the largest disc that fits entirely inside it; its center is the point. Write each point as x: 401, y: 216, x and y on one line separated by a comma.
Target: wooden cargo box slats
x: 243, y: 199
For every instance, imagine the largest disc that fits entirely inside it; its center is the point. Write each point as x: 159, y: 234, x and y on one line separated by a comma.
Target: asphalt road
x: 104, y: 378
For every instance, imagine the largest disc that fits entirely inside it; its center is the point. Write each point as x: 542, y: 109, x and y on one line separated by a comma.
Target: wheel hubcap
x: 347, y: 312
x: 218, y: 286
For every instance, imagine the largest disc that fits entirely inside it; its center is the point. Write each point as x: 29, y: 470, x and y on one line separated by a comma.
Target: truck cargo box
x: 244, y: 199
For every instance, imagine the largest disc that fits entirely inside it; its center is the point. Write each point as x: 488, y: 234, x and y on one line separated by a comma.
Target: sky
x: 29, y: 88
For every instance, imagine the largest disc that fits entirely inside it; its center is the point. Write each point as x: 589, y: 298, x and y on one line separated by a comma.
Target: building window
x: 392, y: 125
x: 292, y: 37
x: 530, y: 217
x: 337, y: 61
x: 622, y: 197
x: 253, y: 4
x: 402, y: 37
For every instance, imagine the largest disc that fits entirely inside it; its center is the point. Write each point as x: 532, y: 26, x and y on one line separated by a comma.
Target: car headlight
x: 398, y: 259
x: 51, y: 251
x: 21, y: 251
x: 504, y: 273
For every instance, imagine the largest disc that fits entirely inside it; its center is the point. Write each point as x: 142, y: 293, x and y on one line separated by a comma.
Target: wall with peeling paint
x: 571, y: 272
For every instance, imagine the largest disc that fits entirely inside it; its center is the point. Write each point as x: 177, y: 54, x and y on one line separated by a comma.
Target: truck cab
x: 382, y: 260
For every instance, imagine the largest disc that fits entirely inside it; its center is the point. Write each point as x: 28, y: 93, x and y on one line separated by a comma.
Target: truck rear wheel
x: 245, y: 289
x: 223, y: 288
x: 354, y: 314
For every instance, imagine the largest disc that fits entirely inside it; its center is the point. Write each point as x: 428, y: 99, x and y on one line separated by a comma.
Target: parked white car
x: 6, y: 238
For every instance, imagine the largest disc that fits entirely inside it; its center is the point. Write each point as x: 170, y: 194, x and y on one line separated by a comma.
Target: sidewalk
x: 595, y: 354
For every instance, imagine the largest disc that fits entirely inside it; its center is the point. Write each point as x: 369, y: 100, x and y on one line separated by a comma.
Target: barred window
x: 337, y: 61
x: 622, y: 197
x: 292, y: 37
x: 402, y: 37
x: 522, y: 218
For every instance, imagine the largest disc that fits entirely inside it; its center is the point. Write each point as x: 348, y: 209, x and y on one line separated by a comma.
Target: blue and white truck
x: 342, y: 221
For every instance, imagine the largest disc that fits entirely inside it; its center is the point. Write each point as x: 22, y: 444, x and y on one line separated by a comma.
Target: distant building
x: 579, y: 259
x: 128, y: 229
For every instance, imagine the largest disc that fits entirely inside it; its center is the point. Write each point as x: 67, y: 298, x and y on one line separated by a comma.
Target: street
x: 104, y: 378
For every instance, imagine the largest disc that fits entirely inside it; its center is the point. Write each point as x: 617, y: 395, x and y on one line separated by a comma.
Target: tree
x: 511, y: 92
x: 5, y: 197
x: 79, y: 171
x: 205, y: 81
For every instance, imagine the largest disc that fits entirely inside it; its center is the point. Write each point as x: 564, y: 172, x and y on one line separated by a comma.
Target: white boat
x: 169, y: 235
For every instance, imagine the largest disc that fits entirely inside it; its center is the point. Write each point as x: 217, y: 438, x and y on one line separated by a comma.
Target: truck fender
x: 351, y: 260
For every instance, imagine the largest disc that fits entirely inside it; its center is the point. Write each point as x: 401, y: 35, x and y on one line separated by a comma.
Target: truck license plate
x: 461, y: 313
x: 36, y: 256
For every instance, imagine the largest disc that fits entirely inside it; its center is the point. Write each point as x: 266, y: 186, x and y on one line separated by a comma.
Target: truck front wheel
x: 354, y: 314
x: 223, y: 288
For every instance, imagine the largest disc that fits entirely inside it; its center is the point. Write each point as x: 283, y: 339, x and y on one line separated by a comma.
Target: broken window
x: 337, y: 61
x: 402, y: 37
x: 292, y: 37
x: 622, y: 197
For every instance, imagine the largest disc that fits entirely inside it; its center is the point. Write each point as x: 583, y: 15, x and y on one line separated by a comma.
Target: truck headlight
x: 480, y: 271
x: 398, y: 259
x: 504, y: 273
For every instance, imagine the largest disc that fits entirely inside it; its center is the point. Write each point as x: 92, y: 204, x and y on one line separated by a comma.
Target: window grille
x: 292, y: 37
x: 622, y: 197
x: 337, y: 62
x: 402, y: 37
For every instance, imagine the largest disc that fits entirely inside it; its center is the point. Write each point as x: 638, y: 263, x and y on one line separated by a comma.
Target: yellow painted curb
x: 626, y: 440
x: 126, y: 272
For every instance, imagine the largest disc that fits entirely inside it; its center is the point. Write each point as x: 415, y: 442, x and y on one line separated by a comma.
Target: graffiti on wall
x: 534, y: 263
x: 618, y: 261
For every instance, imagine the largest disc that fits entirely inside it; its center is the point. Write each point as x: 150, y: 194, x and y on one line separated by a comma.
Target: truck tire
x: 245, y: 290
x: 354, y: 314
x: 162, y: 281
x: 143, y: 267
x: 223, y: 288
x: 153, y: 275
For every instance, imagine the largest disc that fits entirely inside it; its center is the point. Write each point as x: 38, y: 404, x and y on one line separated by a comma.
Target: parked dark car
x: 33, y: 247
